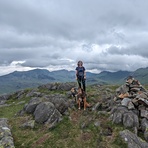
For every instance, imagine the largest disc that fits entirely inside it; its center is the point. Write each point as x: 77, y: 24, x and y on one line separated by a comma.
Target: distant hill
x: 114, y: 77
x: 33, y: 78
x: 141, y: 74
x: 29, y: 79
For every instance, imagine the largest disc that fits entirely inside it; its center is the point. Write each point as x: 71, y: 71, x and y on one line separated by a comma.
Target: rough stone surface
x: 130, y: 119
x: 46, y: 111
x: 59, y: 102
x: 28, y: 124
x: 30, y: 108
x: 134, y: 97
x: 6, y: 139
x: 133, y: 140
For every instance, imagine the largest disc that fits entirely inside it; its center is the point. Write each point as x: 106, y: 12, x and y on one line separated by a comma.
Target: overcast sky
x: 107, y: 35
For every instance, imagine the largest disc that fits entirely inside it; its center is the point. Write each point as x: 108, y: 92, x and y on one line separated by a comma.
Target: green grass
x: 69, y: 132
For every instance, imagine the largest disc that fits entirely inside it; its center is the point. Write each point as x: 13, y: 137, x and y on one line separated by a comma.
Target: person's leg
x: 79, y: 82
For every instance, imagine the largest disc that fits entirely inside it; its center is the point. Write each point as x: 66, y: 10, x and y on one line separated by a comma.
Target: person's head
x: 80, y: 63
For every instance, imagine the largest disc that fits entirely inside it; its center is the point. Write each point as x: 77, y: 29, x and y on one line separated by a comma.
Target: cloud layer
x: 106, y: 35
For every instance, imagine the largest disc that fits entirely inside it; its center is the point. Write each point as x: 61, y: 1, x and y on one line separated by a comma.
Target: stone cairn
x: 131, y: 108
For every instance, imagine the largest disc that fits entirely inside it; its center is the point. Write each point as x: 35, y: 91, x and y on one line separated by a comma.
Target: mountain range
x: 18, y: 80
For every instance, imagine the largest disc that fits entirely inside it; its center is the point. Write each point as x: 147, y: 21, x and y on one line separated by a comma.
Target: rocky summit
x: 48, y: 116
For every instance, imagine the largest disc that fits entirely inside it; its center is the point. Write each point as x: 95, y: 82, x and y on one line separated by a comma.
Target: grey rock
x: 53, y: 124
x: 49, y: 86
x: 6, y: 139
x: 7, y: 142
x: 133, y: 140
x: 143, y: 101
x: 60, y: 102
x: 5, y: 105
x: 144, y: 128
x: 130, y: 106
x: 2, y: 102
x: 144, y: 113
x: 54, y: 118
x: 122, y: 89
x: 65, y: 86
x: 97, y: 106
x: 28, y: 124
x: 97, y: 123
x: 34, y: 93
x: 46, y: 111
x: 146, y: 135
x: 30, y: 108
x: 3, y: 122
x: 144, y: 124
x: 117, y: 114
x: 125, y: 101
x: 22, y: 102
x: 130, y: 119
x: 117, y: 117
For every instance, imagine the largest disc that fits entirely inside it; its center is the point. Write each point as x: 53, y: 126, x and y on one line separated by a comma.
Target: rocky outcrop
x: 3, y: 100
x: 58, y: 86
x: 30, y: 108
x: 6, y: 139
x: 46, y: 110
x: 133, y: 140
x: 131, y: 106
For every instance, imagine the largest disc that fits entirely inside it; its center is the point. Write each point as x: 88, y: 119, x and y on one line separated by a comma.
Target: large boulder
x: 46, y: 111
x: 58, y: 86
x: 34, y: 93
x: 66, y: 86
x: 117, y: 114
x: 127, y: 117
x: 133, y: 140
x: 59, y: 101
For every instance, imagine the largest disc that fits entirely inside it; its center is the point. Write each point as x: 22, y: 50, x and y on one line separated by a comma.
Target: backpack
x: 80, y: 71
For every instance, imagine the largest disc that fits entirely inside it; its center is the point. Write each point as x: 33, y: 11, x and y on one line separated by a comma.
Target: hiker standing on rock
x: 81, y: 75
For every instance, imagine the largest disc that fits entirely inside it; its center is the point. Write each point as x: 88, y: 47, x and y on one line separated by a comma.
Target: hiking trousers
x: 81, y: 81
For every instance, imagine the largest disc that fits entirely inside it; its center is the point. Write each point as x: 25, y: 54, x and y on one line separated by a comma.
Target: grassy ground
x: 76, y: 130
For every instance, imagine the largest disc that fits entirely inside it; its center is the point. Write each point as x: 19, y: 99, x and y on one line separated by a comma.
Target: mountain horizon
x: 18, y: 80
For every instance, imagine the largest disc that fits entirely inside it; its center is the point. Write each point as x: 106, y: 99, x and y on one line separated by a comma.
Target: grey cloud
x: 56, y: 32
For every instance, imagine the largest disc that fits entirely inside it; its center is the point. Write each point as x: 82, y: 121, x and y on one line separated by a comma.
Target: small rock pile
x: 132, y: 106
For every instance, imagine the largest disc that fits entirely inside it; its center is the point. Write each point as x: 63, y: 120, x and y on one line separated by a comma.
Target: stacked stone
x: 6, y: 139
x: 132, y: 106
x: 134, y: 96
